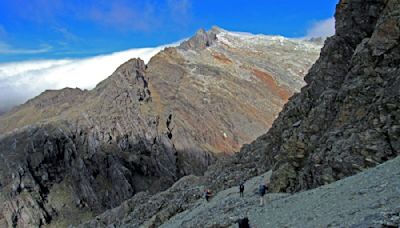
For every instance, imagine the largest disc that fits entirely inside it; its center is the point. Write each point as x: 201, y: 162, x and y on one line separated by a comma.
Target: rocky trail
x: 368, y: 199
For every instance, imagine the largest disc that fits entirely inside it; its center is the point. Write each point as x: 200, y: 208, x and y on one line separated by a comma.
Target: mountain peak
x: 216, y: 29
x: 201, y: 40
x: 135, y: 63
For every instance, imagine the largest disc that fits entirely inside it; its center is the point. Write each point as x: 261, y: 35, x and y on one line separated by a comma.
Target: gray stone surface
x: 368, y: 199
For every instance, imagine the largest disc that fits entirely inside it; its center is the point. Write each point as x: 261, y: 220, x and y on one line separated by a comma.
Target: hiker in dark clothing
x: 262, y: 190
x: 243, y: 223
x: 241, y: 189
x: 207, y: 194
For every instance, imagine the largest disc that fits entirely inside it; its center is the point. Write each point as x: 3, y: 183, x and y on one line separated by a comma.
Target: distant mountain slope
x: 70, y: 154
x: 224, y: 89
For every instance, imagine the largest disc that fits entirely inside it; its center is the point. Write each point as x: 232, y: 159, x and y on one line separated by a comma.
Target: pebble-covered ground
x: 368, y: 199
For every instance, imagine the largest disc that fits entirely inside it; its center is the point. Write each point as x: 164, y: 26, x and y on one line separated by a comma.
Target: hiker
x: 243, y: 223
x: 241, y: 189
x: 262, y: 190
x: 207, y: 194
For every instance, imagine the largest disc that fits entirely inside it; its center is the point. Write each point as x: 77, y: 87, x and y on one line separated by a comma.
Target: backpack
x: 241, y: 187
x: 262, y: 189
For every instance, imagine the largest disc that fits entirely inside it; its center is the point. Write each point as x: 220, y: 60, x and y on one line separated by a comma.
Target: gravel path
x: 358, y: 201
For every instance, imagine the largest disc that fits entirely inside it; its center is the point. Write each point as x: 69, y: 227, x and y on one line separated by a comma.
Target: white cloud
x: 21, y: 81
x: 324, y: 28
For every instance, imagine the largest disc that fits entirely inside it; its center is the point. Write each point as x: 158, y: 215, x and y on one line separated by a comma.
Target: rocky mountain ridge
x: 68, y: 155
x: 344, y: 121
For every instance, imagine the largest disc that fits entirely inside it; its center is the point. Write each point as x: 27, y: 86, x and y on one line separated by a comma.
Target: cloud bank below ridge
x: 21, y: 81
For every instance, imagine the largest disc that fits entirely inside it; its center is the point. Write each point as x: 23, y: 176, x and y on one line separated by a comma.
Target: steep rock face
x: 68, y: 155
x: 347, y: 118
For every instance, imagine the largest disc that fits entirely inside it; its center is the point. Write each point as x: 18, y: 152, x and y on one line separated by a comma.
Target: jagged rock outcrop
x: 201, y: 40
x: 71, y: 154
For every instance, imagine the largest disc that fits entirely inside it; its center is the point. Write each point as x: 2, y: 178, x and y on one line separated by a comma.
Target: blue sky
x: 59, y: 29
